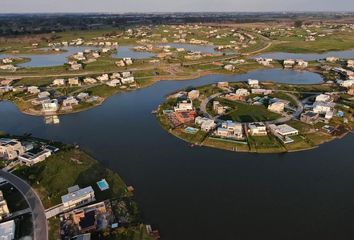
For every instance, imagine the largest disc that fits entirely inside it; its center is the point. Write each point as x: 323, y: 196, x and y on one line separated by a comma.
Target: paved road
x: 40, y: 225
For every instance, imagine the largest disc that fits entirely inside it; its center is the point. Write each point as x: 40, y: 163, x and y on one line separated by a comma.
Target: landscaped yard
x: 243, y: 112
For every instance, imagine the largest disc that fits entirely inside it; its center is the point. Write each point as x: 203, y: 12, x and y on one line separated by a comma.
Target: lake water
x: 128, y: 52
x: 193, y: 47
x: 204, y: 193
x: 48, y: 60
x: 308, y: 56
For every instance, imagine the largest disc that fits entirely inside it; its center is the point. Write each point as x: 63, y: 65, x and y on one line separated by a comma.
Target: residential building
x: 90, y: 80
x: 33, y: 90
x: 74, y: 81
x: 277, y: 107
x: 218, y: 108
x: 59, y: 82
x: 70, y: 101
x: 257, y: 129
x: 332, y: 59
x: 50, y: 106
x: 301, y: 63
x: 323, y: 98
x: 283, y: 130
x: 309, y: 117
x: 10, y: 149
x: 77, y: 197
x: 34, y: 156
x: 223, y: 84
x: 261, y: 91
x: 127, y: 80
x: 229, y: 67
x: 4, y: 210
x: 7, y: 230
x: 242, y: 92
x: 253, y: 83
x: 184, y: 106
x: 322, y: 107
x: 230, y: 129
x: 44, y: 94
x: 194, y: 94
x: 288, y: 63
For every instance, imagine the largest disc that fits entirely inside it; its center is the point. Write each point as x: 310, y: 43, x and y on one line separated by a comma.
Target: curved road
x: 40, y: 225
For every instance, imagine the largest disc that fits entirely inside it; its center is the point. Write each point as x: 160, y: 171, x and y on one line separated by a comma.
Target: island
x: 260, y: 117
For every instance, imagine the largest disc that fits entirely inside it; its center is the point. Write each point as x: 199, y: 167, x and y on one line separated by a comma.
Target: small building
x: 229, y: 67
x: 287, y: 63
x: 184, y: 106
x: 70, y: 101
x: 277, y: 107
x: 74, y: 81
x: 50, y: 106
x: 309, y: 117
x: 33, y: 90
x: 242, y: 92
x: 332, y: 59
x: 43, y: 94
x: 218, y: 108
x: 301, y: 63
x: 261, y: 91
x: 90, y: 80
x: 82, y: 96
x: 323, y: 98
x: 253, y: 83
x: 194, y: 94
x: 222, y: 84
x: 10, y: 149
x: 4, y: 210
x: 283, y: 130
x: 323, y: 107
x: 127, y: 80
x: 257, y: 129
x: 77, y: 197
x: 35, y: 156
x: 59, y: 82
x: 7, y: 230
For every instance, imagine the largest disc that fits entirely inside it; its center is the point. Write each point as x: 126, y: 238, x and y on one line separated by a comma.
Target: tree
x: 298, y: 23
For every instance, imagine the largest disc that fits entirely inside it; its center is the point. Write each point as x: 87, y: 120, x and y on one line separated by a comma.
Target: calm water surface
x: 208, y: 194
x: 308, y: 56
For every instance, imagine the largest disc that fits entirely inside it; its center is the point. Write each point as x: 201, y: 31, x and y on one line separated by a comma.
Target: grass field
x: 242, y: 112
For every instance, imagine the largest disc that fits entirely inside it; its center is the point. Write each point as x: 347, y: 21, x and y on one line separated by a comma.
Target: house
x: 125, y: 74
x: 301, y: 63
x: 229, y: 67
x: 323, y: 98
x: 242, y: 92
x: 253, y: 83
x: 230, y: 129
x: 33, y: 90
x: 59, y: 82
x: 120, y: 63
x: 10, y: 149
x: 90, y: 80
x: 7, y: 230
x: 113, y: 83
x: 347, y: 83
x: 76, y: 66
x: 44, y: 94
x: 74, y: 81
x: 257, y: 129
x: 309, y: 117
x: 332, y: 59
x: 184, y: 106
x: 264, y: 61
x: 288, y: 63
x: 277, y: 107
x: 77, y: 197
x: 82, y: 96
x: 128, y: 61
x: 103, y: 78
x: 283, y: 130
x: 322, y: 107
x: 50, y: 105
x: 70, y: 101
x: 34, y: 156
x: 218, y: 108
x: 261, y: 91
x: 223, y: 84
x: 194, y: 94
x: 350, y: 63
x: 208, y: 125
x: 127, y: 80
x: 4, y: 210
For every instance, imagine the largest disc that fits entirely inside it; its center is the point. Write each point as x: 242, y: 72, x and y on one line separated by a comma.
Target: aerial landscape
x: 176, y: 120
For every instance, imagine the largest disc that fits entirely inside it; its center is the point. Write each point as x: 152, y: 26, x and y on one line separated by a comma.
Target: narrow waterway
x: 204, y: 193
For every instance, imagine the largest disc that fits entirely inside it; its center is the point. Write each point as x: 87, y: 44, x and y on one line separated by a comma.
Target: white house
x: 50, y: 106
x: 277, y: 107
x: 322, y: 107
x: 194, y: 94
x: 77, y: 197
x: 257, y: 129
x: 31, y: 158
x: 323, y: 98
x: 183, y: 106
x: 253, y: 83
x: 283, y: 130
x: 242, y: 92
x: 10, y: 149
x: 7, y: 230
x: 59, y: 82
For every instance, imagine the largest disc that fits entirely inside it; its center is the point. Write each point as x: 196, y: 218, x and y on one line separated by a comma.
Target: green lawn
x: 242, y: 112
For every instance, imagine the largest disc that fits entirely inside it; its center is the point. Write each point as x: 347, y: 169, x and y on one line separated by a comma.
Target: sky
x: 121, y: 6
